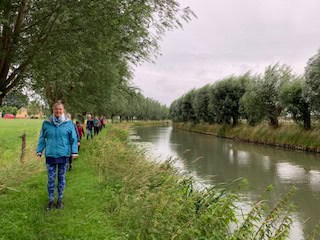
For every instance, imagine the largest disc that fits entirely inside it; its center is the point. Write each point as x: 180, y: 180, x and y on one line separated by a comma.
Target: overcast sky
x: 231, y: 37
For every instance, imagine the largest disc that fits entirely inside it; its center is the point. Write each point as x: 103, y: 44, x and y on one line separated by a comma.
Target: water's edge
x: 299, y: 148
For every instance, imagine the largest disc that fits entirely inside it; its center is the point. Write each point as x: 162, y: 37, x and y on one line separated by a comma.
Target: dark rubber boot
x: 59, y: 205
x: 50, y: 205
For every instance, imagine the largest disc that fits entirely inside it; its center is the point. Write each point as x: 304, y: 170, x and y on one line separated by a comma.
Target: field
x: 10, y: 132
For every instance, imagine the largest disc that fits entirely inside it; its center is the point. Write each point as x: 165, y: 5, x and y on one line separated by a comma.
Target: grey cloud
x: 231, y: 37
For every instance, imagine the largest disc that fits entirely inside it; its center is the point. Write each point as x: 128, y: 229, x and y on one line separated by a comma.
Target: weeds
x: 155, y: 202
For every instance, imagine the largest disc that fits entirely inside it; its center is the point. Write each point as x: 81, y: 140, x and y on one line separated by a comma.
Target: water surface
x: 212, y: 160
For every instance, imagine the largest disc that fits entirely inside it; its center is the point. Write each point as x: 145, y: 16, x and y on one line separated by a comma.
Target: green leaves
x: 293, y: 98
x: 81, y: 49
x: 254, y: 98
x: 217, y: 103
x: 312, y: 76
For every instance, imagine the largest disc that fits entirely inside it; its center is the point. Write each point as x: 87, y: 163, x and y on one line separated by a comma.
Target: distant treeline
x: 139, y: 107
x: 278, y: 91
x: 128, y: 106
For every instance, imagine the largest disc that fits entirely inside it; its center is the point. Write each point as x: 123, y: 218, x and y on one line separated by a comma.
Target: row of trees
x: 15, y: 100
x: 127, y: 106
x: 8, y: 109
x: 255, y: 97
x: 137, y: 106
x: 81, y: 52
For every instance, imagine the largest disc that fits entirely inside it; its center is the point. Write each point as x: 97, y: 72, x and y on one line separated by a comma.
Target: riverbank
x: 114, y: 192
x: 286, y: 136
x: 151, y: 123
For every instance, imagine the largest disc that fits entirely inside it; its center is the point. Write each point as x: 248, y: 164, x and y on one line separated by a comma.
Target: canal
x: 214, y: 160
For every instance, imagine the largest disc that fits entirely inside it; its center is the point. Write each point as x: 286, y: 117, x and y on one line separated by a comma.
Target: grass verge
x: 286, y: 136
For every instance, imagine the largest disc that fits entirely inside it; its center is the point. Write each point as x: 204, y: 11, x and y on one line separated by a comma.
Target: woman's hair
x: 58, y: 103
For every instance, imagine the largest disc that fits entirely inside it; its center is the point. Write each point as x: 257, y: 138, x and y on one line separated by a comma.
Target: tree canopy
x: 254, y: 98
x: 80, y: 52
x: 16, y: 99
x: 312, y: 75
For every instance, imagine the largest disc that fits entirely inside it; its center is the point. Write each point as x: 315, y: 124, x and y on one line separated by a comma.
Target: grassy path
x: 23, y: 214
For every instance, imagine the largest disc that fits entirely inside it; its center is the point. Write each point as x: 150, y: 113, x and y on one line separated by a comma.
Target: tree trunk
x: 1, y: 99
x: 234, y: 120
x: 307, y: 120
x: 274, y: 121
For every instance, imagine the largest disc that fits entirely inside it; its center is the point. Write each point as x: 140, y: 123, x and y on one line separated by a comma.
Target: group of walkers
x: 60, y: 138
x: 95, y: 124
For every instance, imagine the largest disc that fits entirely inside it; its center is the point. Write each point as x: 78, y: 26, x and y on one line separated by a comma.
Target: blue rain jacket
x: 58, y: 140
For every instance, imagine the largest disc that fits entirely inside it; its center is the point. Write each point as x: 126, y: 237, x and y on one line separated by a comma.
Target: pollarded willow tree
x: 132, y: 104
x: 200, y: 104
x: 62, y: 45
x: 255, y: 98
x: 296, y: 104
x: 216, y: 103
x: 312, y: 76
x: 262, y: 97
x: 224, y: 99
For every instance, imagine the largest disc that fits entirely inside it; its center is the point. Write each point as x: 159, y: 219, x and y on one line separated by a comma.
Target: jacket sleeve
x: 73, y: 141
x: 41, y: 142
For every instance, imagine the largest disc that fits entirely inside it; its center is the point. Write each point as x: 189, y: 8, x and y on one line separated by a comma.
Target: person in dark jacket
x: 59, y: 139
x: 96, y: 124
x: 89, y: 127
x: 80, y: 130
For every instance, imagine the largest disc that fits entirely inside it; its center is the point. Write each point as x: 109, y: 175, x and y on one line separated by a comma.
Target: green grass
x: 10, y: 132
x: 151, y: 123
x: 287, y: 135
x: 23, y: 214
x: 114, y: 192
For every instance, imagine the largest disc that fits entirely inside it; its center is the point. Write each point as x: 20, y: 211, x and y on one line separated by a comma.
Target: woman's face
x: 58, y: 111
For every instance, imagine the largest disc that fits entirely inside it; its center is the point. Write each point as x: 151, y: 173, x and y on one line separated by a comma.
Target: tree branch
x: 19, y: 22
x: 6, y: 39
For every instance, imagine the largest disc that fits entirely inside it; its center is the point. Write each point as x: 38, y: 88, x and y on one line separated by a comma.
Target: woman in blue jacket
x: 59, y: 139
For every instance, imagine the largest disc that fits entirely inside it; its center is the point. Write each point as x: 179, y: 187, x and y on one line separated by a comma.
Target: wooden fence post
x: 23, y: 147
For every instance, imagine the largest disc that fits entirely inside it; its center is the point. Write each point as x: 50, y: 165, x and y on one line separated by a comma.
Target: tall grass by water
x: 287, y: 135
x: 153, y: 201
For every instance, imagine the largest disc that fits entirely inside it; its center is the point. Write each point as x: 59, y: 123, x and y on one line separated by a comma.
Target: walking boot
x: 59, y: 205
x: 50, y: 205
